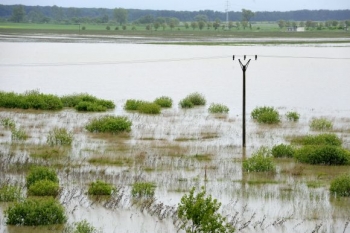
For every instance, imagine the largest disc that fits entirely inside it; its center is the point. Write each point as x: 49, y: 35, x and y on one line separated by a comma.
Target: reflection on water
x: 180, y: 149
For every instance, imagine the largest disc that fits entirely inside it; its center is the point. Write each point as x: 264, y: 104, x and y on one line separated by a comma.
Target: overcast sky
x: 194, y: 5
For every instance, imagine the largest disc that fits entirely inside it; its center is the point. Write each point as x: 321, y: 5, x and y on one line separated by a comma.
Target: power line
x: 157, y: 61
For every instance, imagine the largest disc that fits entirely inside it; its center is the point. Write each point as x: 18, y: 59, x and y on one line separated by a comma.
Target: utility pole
x: 244, y: 69
x: 226, y: 10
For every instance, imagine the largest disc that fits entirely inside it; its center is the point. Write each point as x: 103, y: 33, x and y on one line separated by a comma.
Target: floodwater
x: 313, y: 81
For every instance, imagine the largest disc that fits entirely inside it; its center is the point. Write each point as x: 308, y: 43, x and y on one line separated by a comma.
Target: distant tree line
x: 45, y: 14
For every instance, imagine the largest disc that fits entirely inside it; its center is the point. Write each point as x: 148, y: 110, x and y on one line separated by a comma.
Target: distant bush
x: 44, y: 188
x: 83, y: 28
x: 18, y: 134
x: 30, y: 100
x: 327, y: 155
x: 293, y: 116
x: 267, y: 115
x: 108, y: 28
x: 261, y: 161
x: 321, y: 124
x: 164, y: 102
x: 143, y: 189
x: 132, y: 104
x: 10, y: 193
x: 86, y: 102
x: 59, y: 137
x: 282, y: 150
x: 218, y: 108
x: 149, y: 108
x: 35, y: 212
x: 109, y: 124
x: 321, y: 139
x: 100, y: 188
x: 341, y: 185
x: 194, y: 99
x: 41, y: 173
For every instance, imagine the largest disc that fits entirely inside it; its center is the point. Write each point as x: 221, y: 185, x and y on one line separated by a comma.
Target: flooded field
x: 180, y: 149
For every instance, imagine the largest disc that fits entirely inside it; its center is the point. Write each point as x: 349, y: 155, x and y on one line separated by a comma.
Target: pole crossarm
x: 244, y: 69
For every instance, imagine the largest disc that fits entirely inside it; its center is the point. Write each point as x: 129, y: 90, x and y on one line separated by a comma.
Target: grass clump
x: 194, y: 99
x: 293, y: 116
x: 341, y: 185
x: 35, y: 212
x: 164, y: 102
x: 10, y: 193
x: 40, y: 173
x: 261, y: 161
x: 86, y: 103
x: 321, y: 124
x: 109, y: 124
x: 44, y: 188
x: 30, y: 100
x: 18, y: 134
x: 218, y: 108
x: 266, y: 115
x: 59, y: 137
x: 8, y: 123
x: 320, y: 139
x: 132, y: 104
x: 149, y: 108
x: 325, y: 155
x: 282, y: 150
x: 143, y: 189
x: 100, y: 188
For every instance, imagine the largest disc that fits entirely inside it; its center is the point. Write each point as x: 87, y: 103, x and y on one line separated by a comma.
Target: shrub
x: 40, y: 173
x: 108, y: 28
x: 267, y: 115
x: 18, y: 134
x: 85, y: 106
x: 100, y: 188
x: 327, y: 155
x: 84, y: 227
x: 86, y: 102
x: 261, y: 161
x: 30, y: 99
x: 164, y: 101
x: 197, y: 98
x: 149, y: 108
x: 8, y: 123
x: 321, y: 124
x: 321, y: 139
x: 143, y: 189
x: 194, y: 99
x: 282, y: 150
x: 132, y: 104
x: 44, y: 188
x: 341, y: 185
x: 35, y: 212
x: 109, y: 124
x: 199, y: 213
x: 10, y: 193
x: 218, y: 108
x: 293, y: 116
x: 59, y: 137
x: 186, y: 103
x: 83, y: 28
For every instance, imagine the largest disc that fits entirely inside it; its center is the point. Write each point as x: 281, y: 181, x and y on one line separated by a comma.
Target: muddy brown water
x: 163, y: 148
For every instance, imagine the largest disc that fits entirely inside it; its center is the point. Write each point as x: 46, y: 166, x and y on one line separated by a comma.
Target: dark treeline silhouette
x: 61, y: 13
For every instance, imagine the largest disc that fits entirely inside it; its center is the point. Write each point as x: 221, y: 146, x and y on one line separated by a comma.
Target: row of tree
x: 54, y: 13
x: 312, y: 24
